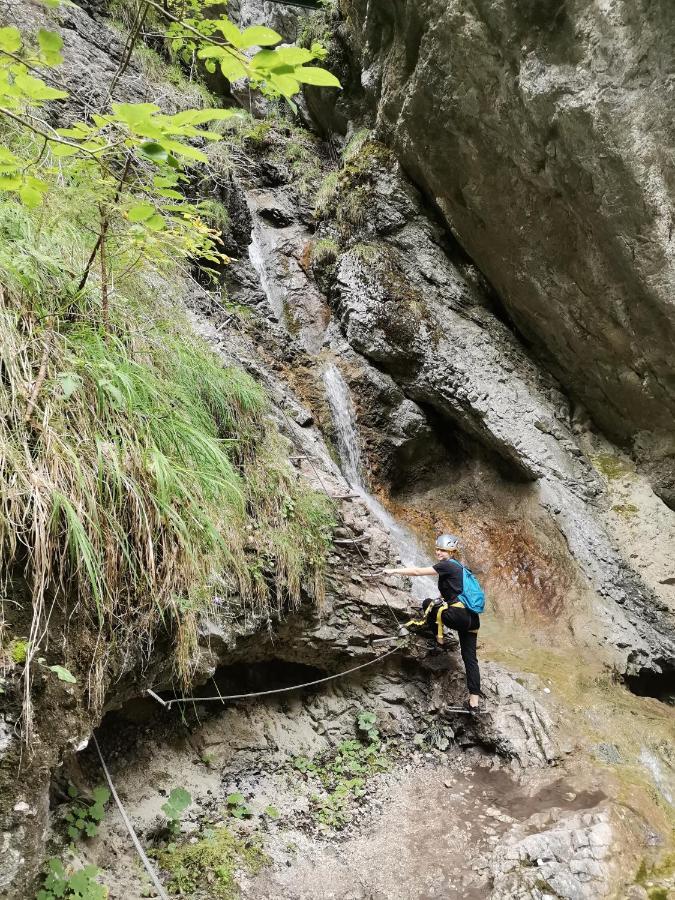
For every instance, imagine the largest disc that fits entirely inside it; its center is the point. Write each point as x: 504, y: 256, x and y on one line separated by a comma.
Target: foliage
x: 210, y: 864
x: 128, y: 447
x: 175, y: 806
x: 365, y: 722
x: 222, y: 45
x: 18, y: 651
x: 134, y: 155
x: 344, y: 772
x: 280, y: 141
x: 237, y: 807
x: 61, y: 673
x: 324, y: 252
x: 78, y: 884
x: 272, y: 812
x: 147, y: 456
x: 86, y: 814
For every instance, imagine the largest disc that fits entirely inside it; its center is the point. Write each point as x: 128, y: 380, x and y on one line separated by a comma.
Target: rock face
x: 541, y: 133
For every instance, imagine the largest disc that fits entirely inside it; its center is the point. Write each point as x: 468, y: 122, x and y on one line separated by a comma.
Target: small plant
x: 333, y: 809
x: 303, y: 764
x: 175, y: 806
x: 365, y: 722
x: 86, y: 814
x: 80, y: 884
x: 325, y: 252
x: 61, y: 672
x: 237, y: 807
x: 272, y: 812
x: 343, y: 773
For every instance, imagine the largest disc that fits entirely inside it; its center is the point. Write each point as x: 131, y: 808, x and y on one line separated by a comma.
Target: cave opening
x: 652, y: 684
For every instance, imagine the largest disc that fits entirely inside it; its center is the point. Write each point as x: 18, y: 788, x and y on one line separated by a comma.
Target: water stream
x: 344, y: 421
x: 258, y: 255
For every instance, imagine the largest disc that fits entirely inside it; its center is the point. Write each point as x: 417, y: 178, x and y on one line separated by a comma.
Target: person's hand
x: 388, y: 571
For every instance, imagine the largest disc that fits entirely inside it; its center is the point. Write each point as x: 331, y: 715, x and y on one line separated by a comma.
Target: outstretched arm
x: 411, y: 570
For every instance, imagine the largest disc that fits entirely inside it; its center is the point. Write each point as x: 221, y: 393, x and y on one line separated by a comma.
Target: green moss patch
x: 210, y: 865
x: 612, y: 467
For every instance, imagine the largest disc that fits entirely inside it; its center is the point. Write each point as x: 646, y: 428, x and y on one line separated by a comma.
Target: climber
x: 458, y: 607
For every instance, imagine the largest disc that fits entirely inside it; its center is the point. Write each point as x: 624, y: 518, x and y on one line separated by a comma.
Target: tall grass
x: 136, y: 471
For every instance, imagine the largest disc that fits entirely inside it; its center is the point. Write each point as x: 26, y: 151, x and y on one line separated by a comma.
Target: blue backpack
x: 472, y: 595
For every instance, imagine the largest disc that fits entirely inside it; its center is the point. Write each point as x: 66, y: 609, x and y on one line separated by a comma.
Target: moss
x: 612, y: 467
x: 18, y: 651
x: 627, y: 510
x: 355, y: 144
x: 662, y: 872
x: 346, y: 196
x: 210, y: 865
x: 367, y: 253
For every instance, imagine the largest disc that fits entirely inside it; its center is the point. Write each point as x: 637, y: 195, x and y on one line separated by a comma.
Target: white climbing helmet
x: 447, y: 542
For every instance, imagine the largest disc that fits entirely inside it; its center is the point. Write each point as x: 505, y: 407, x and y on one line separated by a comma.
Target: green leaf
x: 292, y: 56
x: 63, y: 674
x: 272, y: 812
x: 101, y: 795
x: 31, y: 198
x: 49, y: 41
x: 61, y: 150
x: 154, y: 151
x: 10, y: 39
x: 180, y: 798
x: 36, y: 89
x: 141, y: 212
x: 135, y: 113
x: 90, y: 829
x: 73, y: 832
x: 69, y: 383
x: 169, y: 193
x: 10, y: 182
x: 213, y: 51
x: 72, y: 791
x: 210, y: 66
x: 232, y: 69
x: 185, y: 150
x: 155, y: 223
x: 259, y: 36
x: 229, y: 31
x: 96, y: 812
x: 235, y: 799
x: 8, y: 158
x: 316, y: 76
x: 285, y: 84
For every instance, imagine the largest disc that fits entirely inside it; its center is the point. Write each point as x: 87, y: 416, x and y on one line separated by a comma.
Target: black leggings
x: 461, y: 620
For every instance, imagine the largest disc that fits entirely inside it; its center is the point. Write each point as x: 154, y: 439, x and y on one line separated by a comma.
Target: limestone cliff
x: 542, y: 133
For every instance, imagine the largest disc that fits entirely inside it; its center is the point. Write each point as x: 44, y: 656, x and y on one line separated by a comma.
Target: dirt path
x: 437, y: 827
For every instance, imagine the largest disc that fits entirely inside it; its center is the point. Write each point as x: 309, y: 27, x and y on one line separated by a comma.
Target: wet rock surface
x: 547, y: 161
x: 524, y: 444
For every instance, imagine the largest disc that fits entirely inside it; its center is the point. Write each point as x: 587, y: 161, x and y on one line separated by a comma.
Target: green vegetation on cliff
x: 142, y: 484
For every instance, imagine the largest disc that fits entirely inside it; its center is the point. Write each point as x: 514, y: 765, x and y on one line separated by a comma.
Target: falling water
x: 257, y: 255
x: 344, y: 422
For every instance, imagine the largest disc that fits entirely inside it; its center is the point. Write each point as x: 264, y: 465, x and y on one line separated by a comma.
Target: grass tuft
x: 134, y: 466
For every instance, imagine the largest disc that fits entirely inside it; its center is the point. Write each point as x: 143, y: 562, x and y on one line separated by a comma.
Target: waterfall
x: 344, y: 422
x: 257, y: 254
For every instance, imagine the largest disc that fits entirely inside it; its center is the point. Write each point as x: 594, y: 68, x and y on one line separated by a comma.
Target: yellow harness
x: 419, y: 623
